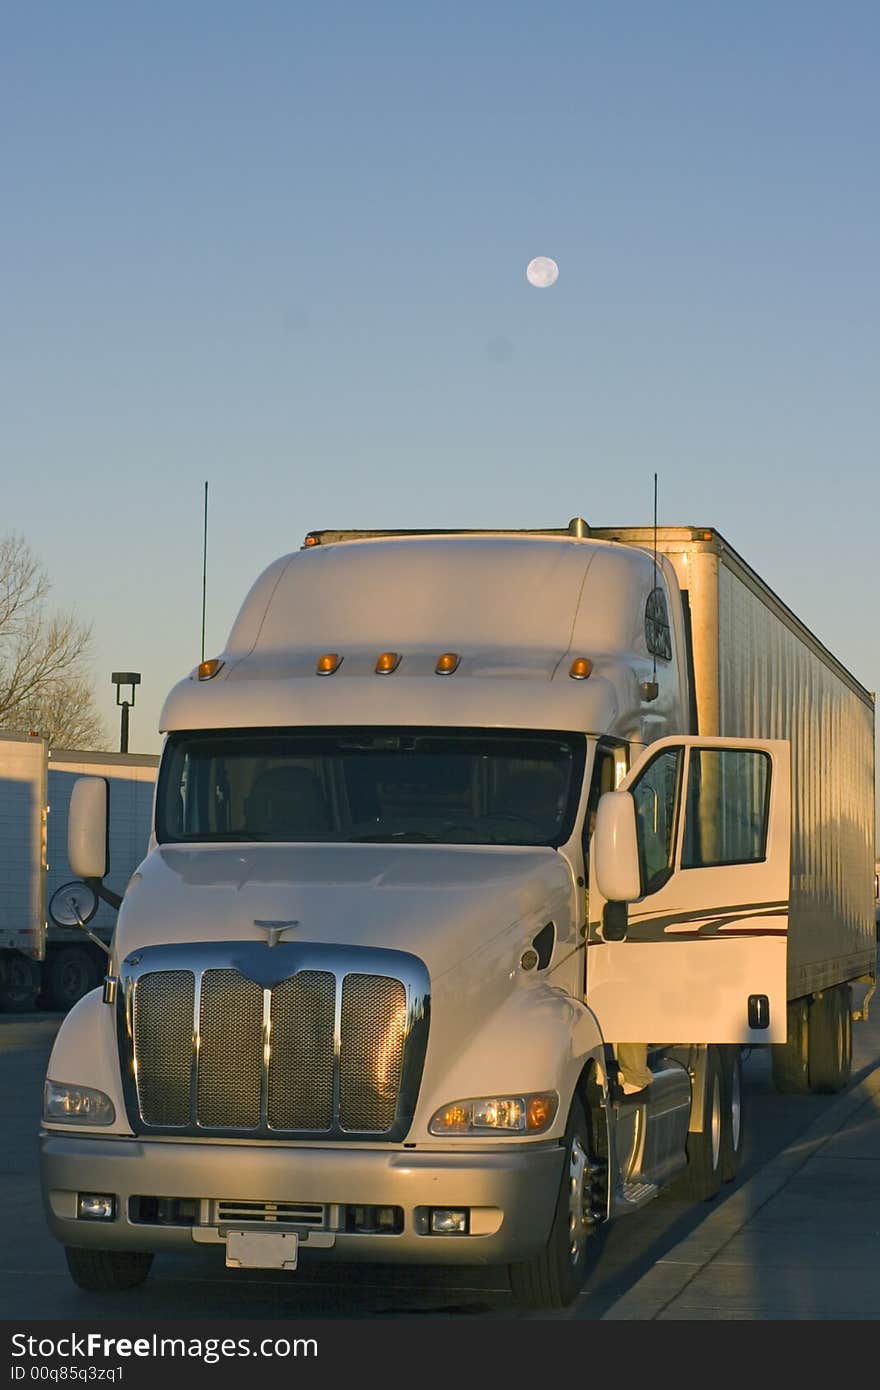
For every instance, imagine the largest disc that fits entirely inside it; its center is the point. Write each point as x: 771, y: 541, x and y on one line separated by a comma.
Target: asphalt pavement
x: 800, y: 1240
x: 797, y: 1237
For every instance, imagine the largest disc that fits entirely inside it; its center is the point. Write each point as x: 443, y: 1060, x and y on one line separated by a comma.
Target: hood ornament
x: 274, y: 930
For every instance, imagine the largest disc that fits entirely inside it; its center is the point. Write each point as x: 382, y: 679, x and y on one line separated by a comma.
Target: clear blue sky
x: 282, y: 248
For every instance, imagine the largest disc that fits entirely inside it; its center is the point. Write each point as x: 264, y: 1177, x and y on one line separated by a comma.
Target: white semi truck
x: 39, y: 960
x: 478, y: 859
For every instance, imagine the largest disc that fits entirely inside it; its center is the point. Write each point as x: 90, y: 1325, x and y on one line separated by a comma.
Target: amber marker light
x: 580, y: 668
x: 447, y: 663
x: 328, y: 663
x: 310, y: 540
x: 540, y: 1111
x: 209, y: 669
x: 388, y: 662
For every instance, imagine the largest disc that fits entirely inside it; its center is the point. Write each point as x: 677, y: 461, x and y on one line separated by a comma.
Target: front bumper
x: 511, y: 1194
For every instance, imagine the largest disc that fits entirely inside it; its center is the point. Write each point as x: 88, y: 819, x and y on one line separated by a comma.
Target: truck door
x: 699, y: 955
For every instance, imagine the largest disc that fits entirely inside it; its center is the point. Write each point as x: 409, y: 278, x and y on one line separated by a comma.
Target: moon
x: 542, y: 272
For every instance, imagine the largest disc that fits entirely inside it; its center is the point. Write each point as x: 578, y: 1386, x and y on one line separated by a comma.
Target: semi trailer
x: 478, y: 859
x: 40, y: 961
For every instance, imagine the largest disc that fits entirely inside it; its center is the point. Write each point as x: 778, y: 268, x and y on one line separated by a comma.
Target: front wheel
x: 554, y: 1278
x: 103, y: 1271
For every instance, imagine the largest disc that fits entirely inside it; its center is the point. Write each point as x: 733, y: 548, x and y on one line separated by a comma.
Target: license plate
x: 261, y: 1249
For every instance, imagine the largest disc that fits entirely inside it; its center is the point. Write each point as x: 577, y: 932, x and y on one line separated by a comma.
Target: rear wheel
x: 701, y: 1180
x: 830, y: 1039
x: 790, y: 1060
x: 71, y: 973
x: 102, y: 1271
x: 732, y: 1113
x: 554, y: 1278
x: 19, y: 983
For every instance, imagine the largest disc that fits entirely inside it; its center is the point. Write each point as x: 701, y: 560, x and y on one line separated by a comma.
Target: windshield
x: 450, y: 786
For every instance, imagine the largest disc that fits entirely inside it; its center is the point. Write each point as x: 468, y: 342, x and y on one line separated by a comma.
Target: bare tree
x: 44, y: 658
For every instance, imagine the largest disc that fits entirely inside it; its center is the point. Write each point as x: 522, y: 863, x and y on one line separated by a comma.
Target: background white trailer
x: 23, y: 765
x: 39, y: 961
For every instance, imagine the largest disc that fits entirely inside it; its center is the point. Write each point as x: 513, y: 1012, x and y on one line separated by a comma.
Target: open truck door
x: 689, y: 895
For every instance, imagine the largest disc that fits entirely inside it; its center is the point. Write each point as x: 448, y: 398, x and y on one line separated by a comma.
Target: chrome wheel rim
x: 735, y: 1108
x: 715, y: 1123
x: 577, y: 1200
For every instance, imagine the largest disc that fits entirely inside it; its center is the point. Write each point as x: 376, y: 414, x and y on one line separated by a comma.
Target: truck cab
x: 434, y: 843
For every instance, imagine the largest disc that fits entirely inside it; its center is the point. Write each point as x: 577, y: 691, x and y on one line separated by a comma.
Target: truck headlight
x: 76, y: 1105
x: 497, y: 1114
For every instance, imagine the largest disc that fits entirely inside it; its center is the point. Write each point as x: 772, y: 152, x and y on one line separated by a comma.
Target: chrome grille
x: 244, y: 1039
x: 230, y: 1062
x: 301, y: 1055
x: 371, y: 1056
x: 163, y: 1024
x: 294, y: 1213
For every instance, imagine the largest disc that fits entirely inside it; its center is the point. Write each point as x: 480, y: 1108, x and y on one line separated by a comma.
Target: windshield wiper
x: 395, y: 837
x: 212, y: 837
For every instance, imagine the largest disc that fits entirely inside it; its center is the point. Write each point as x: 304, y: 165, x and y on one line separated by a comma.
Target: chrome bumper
x: 511, y: 1194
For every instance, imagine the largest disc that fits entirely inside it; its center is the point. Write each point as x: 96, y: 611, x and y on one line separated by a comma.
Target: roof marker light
x: 447, y: 663
x: 328, y: 663
x: 310, y: 540
x: 580, y: 668
x: 387, y: 662
x: 209, y: 669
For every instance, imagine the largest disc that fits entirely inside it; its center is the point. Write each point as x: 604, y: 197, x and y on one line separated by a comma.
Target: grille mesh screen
x: 163, y: 1029
x: 230, y: 1051
x: 373, y: 1034
x: 301, y: 1056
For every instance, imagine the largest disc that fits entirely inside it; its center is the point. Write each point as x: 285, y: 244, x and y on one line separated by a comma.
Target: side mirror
x: 615, y: 848
x: 88, y: 824
x: 74, y: 905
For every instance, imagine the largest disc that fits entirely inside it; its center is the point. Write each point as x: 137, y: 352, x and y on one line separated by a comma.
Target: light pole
x: 120, y: 678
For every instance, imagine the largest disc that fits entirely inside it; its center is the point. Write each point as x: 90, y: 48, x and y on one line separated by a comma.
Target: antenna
x: 204, y: 569
x: 655, y: 561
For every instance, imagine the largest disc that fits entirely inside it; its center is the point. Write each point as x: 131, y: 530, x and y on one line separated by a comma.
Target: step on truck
x: 43, y: 962
x: 478, y: 860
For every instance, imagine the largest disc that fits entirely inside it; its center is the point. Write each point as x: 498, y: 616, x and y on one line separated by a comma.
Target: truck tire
x: 701, y: 1180
x: 790, y: 1061
x: 19, y: 983
x: 102, y: 1271
x: 732, y: 1113
x: 830, y: 1040
x: 555, y: 1277
x: 70, y: 973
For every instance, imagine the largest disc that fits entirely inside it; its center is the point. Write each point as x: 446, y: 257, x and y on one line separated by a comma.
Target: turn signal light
x: 447, y: 663
x: 580, y: 668
x: 328, y: 663
x: 209, y: 669
x: 540, y: 1111
x: 388, y: 662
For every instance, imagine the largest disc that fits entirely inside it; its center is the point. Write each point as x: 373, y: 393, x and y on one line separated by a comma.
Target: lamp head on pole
x: 120, y: 679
